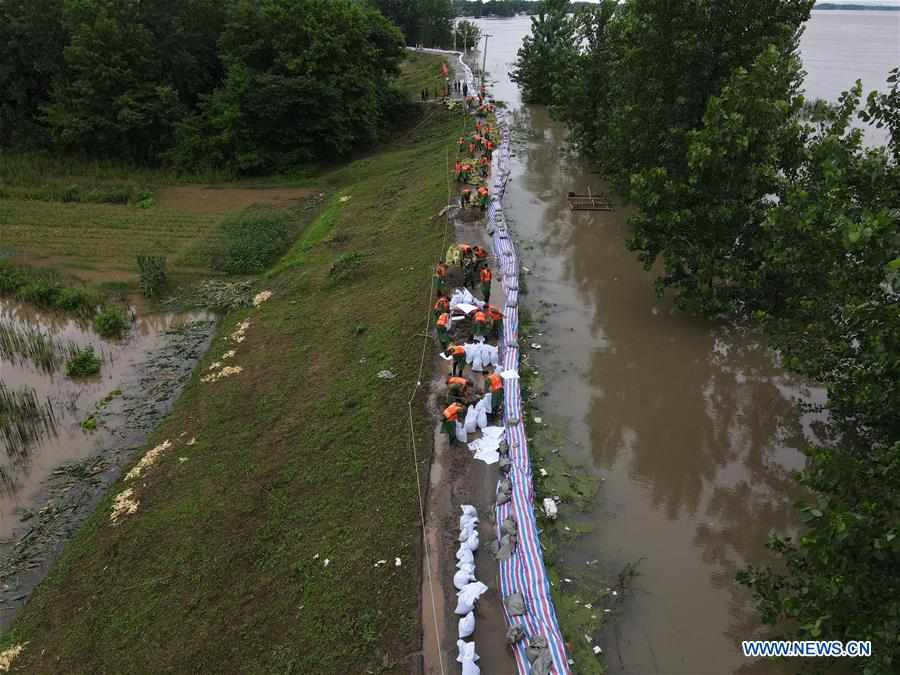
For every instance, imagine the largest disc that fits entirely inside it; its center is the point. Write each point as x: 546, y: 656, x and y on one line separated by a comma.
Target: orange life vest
x: 480, y: 252
x: 443, y: 304
x: 480, y: 317
x: 494, y: 313
x: 456, y: 381
x: 495, y: 382
x: 457, y: 350
x: 443, y: 320
x: 465, y: 249
x: 485, y: 275
x: 451, y: 411
x: 482, y: 191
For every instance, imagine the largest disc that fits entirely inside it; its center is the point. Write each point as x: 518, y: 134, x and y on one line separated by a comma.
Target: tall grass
x: 29, y: 342
x: 251, y: 241
x: 23, y: 419
x: 47, y: 290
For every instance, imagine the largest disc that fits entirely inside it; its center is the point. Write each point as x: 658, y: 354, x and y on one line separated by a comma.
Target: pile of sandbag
x: 468, y: 587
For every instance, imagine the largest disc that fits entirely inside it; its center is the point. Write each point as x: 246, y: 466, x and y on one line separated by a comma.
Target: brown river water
x: 691, y: 426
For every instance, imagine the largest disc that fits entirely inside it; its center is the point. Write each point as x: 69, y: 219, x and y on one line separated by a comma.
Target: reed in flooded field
x: 31, y: 343
x: 24, y: 419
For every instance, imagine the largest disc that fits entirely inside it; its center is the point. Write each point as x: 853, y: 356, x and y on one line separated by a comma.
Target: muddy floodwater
x: 691, y: 426
x: 54, y: 470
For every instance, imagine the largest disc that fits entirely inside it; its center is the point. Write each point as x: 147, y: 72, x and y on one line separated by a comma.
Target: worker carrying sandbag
x: 493, y: 384
x: 457, y: 388
x: 485, y: 279
x: 448, y: 424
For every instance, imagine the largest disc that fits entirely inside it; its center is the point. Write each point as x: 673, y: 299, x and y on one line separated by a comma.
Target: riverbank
x: 279, y: 521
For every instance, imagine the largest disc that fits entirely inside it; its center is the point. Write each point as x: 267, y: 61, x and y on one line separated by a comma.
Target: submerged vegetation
x: 23, y: 419
x: 765, y: 208
x: 83, y: 363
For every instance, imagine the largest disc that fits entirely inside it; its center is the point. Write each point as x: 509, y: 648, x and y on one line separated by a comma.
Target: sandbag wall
x: 524, y: 572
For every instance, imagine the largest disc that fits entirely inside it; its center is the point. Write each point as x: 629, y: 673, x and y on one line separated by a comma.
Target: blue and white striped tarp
x: 524, y: 572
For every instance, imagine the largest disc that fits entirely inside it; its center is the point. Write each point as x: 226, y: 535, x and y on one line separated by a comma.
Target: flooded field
x: 72, y: 435
x: 691, y: 426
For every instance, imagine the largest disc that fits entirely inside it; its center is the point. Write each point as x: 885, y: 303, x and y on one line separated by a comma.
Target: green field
x: 301, y: 457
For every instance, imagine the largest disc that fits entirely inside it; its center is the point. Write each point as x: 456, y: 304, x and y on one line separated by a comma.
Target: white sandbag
x: 467, y: 625
x: 461, y: 434
x: 466, y: 532
x: 462, y: 578
x: 483, y: 408
x: 465, y: 520
x: 464, y: 554
x: 466, y: 651
x: 469, y: 510
x: 471, y: 423
x: 468, y: 596
x: 492, y: 432
x: 466, y: 567
x: 472, y: 542
x: 470, y: 668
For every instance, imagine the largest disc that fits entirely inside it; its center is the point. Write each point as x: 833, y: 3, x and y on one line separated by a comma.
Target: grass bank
x: 300, y: 458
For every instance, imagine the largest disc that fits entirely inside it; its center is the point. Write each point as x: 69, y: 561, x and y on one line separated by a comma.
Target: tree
x: 466, y: 35
x: 305, y: 80
x: 130, y: 72
x: 546, y: 54
x: 33, y: 37
x: 425, y: 22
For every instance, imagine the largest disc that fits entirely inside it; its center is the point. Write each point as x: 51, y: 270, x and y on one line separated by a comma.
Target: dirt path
x: 456, y: 479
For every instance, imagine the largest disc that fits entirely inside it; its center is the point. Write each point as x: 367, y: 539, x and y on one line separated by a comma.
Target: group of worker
x: 487, y: 321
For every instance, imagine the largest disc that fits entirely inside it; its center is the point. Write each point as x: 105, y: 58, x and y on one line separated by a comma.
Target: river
x: 690, y: 426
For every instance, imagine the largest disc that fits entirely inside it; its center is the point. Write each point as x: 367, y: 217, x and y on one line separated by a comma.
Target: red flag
x: 444, y: 70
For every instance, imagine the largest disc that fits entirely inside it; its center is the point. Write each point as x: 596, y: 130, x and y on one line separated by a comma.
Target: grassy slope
x: 305, y: 452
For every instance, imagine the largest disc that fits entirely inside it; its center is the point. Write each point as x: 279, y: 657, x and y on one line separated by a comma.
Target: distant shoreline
x: 877, y: 8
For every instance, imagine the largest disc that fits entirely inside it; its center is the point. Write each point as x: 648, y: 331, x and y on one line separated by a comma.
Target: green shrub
x: 253, y: 240
x: 110, y: 322
x: 346, y: 267
x: 40, y: 292
x: 82, y: 363
x: 153, y: 277
x: 76, y: 299
x: 90, y: 424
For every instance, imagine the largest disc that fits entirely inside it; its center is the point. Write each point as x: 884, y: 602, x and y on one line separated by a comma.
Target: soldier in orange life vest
x: 442, y: 306
x: 465, y: 251
x: 457, y: 388
x: 471, y: 149
x: 448, y: 425
x: 496, y: 317
x: 493, y: 383
x: 439, y: 278
x: 458, y: 170
x: 486, y: 283
x: 480, y: 256
x: 481, y: 324
x: 442, y: 324
x: 485, y: 166
x: 483, y: 197
x: 458, y: 352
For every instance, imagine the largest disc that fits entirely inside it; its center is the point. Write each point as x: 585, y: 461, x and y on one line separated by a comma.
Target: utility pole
x: 484, y: 58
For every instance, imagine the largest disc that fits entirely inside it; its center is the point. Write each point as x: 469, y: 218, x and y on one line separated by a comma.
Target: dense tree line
x: 231, y: 83
x: 424, y: 22
x: 764, y: 207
